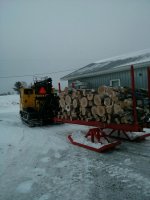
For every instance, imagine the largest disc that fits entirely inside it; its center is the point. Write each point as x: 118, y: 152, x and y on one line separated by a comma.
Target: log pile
x: 107, y: 104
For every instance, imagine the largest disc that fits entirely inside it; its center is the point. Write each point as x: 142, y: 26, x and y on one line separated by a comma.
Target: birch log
x: 108, y: 105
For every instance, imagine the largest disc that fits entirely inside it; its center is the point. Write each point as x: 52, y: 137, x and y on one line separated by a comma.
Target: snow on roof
x: 110, y: 64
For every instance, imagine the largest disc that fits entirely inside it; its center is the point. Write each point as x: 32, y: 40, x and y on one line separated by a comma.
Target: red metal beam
x: 73, y: 85
x: 142, y: 137
x: 148, y: 80
x: 99, y: 150
x: 59, y: 88
x: 123, y: 127
x: 133, y: 95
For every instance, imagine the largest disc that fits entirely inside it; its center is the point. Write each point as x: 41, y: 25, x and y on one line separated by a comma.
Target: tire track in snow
x: 132, y: 178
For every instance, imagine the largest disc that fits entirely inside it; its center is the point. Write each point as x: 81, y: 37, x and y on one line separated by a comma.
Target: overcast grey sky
x: 44, y: 36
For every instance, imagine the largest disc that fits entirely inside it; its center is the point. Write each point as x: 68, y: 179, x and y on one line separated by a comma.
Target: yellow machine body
x: 27, y: 98
x: 39, y: 104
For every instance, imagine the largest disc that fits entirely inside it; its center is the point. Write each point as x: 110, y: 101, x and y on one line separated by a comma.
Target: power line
x: 18, y: 76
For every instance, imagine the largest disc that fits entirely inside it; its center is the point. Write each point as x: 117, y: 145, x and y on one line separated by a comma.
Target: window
x: 28, y: 91
x: 115, y: 83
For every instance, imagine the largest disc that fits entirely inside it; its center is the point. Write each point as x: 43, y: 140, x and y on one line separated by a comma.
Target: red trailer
x: 103, y: 132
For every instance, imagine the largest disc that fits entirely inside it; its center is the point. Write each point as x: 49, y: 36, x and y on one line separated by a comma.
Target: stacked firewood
x: 107, y: 104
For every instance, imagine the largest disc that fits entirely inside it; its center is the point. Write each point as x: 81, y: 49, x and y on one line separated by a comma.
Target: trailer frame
x: 99, y: 132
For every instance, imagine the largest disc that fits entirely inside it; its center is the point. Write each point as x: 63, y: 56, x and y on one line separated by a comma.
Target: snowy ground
x: 40, y: 164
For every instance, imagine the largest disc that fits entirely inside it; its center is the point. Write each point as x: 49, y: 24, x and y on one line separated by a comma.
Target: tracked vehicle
x: 38, y: 104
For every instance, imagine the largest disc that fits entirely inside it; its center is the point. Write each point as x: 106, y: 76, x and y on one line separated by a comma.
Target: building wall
x: 124, y: 76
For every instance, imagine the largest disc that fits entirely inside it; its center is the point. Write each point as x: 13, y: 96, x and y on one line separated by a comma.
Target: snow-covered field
x: 40, y: 164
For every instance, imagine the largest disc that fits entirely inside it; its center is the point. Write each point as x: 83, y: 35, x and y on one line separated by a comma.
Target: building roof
x: 118, y: 63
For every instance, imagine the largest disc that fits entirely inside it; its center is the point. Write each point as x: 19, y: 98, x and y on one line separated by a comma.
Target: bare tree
x: 18, y: 85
